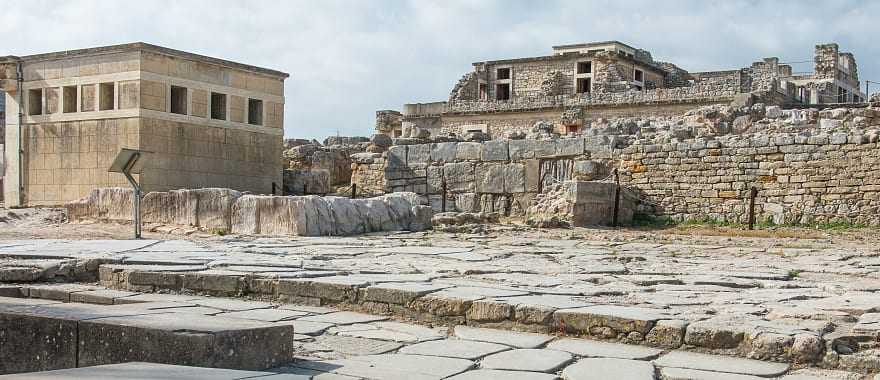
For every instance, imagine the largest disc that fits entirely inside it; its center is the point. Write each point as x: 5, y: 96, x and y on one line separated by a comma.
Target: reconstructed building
x: 578, y: 84
x: 209, y: 122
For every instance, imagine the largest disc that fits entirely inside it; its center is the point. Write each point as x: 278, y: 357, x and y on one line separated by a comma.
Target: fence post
x: 354, y: 190
x: 752, y: 194
x: 616, y: 199
x: 443, y: 196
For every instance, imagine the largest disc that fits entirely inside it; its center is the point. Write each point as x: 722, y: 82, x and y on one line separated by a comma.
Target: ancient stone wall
x: 808, y: 166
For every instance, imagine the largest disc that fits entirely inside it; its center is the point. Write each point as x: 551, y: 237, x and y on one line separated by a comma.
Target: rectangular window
x: 106, y: 95
x: 484, y: 91
x: 639, y: 75
x: 35, y: 101
x: 178, y: 100
x: 68, y: 99
x: 841, y: 95
x: 583, y: 85
x: 255, y: 111
x: 585, y: 67
x: 502, y: 91
x: 218, y: 106
x: 503, y: 73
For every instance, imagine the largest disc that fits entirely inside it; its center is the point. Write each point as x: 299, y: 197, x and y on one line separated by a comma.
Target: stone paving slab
x: 494, y: 374
x: 454, y: 348
x: 507, y: 338
x: 691, y: 360
x: 152, y: 371
x: 608, y: 368
x: 527, y: 359
x: 597, y: 349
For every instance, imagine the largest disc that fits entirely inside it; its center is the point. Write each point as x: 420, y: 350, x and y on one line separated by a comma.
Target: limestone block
x: 467, y: 202
x: 460, y: 177
x: 435, y: 179
x: 418, y: 154
x: 104, y: 204
x: 545, y: 148
x: 468, y: 151
x: 495, y: 150
x: 207, y: 208
x: 569, y: 147
x: 443, y: 152
x: 397, y: 156
x: 514, y: 178
x: 521, y: 149
x: 490, y: 178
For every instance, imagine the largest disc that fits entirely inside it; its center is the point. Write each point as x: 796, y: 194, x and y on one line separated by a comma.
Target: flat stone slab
x: 507, y: 338
x: 454, y: 348
x: 693, y: 374
x: 598, y: 349
x: 343, y: 318
x: 145, y: 371
x: 392, y: 366
x: 357, y: 346
x: 494, y: 374
x: 308, y: 328
x: 609, y: 368
x: 691, y: 360
x: 527, y: 359
x: 265, y: 315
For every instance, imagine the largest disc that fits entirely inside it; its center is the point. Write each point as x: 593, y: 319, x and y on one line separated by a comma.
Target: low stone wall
x: 229, y: 210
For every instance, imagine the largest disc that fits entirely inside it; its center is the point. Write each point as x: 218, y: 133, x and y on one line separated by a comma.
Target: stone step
x: 141, y: 371
x: 36, y: 336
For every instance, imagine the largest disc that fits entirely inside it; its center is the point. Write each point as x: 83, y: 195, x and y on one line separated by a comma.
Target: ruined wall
x: 808, y: 166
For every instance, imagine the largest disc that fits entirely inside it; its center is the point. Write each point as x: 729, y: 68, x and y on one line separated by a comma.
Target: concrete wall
x: 123, y: 100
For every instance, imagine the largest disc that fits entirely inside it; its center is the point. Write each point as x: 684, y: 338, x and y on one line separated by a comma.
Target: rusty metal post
x: 752, y: 194
x: 354, y: 190
x: 443, y: 196
x: 616, y: 199
x: 273, y: 188
x: 305, y: 189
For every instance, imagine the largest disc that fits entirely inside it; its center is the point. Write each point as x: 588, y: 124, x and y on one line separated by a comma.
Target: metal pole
x: 273, y: 188
x: 354, y: 190
x: 616, y: 199
x: 752, y: 194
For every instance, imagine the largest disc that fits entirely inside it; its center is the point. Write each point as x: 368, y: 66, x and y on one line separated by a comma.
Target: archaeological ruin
x: 207, y: 122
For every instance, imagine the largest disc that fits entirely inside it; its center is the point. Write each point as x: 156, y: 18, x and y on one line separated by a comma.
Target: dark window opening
x: 639, y: 88
x: 504, y: 73
x: 106, y: 93
x: 255, y: 111
x: 218, y: 106
x: 571, y: 129
x: 639, y: 75
x: 68, y: 99
x: 35, y: 101
x: 178, y: 100
x: 857, y: 99
x: 484, y: 91
x: 841, y: 95
x: 585, y: 67
x: 502, y: 91
x: 583, y: 85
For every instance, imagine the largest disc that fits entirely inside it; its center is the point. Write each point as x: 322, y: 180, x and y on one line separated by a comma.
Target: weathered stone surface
x: 399, y: 293
x: 596, y: 349
x: 490, y: 178
x: 690, y: 360
x: 667, y: 333
x: 692, y: 374
x: 620, y: 319
x: 507, y: 338
x: 495, y: 150
x: 393, y: 366
x: 131, y: 371
x: 443, y: 152
x: 452, y: 348
x: 460, y: 177
x: 533, y: 360
x: 357, y: 346
x: 608, y: 368
x: 343, y: 318
x: 468, y: 151
x: 494, y: 374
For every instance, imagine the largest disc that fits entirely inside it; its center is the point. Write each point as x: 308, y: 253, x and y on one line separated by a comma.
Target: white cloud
x: 350, y: 58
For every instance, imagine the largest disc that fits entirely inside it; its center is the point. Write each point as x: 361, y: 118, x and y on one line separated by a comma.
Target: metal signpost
x: 128, y: 162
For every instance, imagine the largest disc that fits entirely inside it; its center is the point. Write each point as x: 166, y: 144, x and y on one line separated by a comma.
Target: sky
x: 347, y: 59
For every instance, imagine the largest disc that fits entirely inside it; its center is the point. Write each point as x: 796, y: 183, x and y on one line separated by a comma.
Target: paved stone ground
x: 333, y: 344
x: 807, y: 302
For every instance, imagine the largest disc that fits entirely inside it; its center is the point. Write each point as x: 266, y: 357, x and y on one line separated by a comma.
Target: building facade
x: 208, y: 122
x: 579, y: 84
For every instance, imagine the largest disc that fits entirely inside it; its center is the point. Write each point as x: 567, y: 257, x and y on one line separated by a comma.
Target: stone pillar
x: 11, y: 178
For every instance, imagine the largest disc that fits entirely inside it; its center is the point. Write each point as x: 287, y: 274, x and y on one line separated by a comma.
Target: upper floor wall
x: 144, y: 80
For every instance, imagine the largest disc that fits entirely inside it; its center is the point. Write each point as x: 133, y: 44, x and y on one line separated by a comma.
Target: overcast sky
x: 348, y: 59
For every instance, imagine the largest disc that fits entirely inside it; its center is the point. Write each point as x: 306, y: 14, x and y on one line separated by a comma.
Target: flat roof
x: 143, y: 46
x: 591, y: 44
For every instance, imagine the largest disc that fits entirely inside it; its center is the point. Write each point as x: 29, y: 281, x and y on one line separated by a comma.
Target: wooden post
x: 616, y: 199
x: 753, y: 193
x: 443, y: 196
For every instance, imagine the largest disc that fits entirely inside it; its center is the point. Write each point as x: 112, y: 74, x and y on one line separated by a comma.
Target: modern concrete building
x: 210, y: 122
